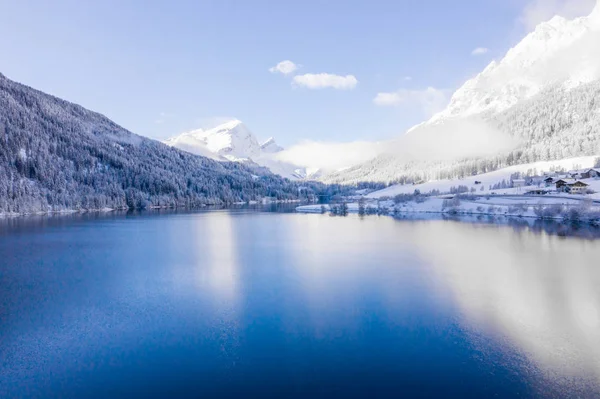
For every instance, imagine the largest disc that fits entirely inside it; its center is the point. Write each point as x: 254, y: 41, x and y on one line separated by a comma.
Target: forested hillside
x: 544, y: 93
x: 55, y: 155
x: 555, y: 124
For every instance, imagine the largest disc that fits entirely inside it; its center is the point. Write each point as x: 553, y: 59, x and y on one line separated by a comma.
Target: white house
x: 578, y: 187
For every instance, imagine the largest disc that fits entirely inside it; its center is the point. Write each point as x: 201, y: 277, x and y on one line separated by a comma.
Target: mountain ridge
x: 543, y: 93
x: 233, y: 141
x: 526, y: 68
x: 56, y: 156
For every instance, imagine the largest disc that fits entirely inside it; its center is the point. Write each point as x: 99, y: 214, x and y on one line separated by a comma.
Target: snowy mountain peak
x: 594, y: 17
x: 231, y: 140
x: 557, y: 52
x: 270, y: 146
x: 538, y: 103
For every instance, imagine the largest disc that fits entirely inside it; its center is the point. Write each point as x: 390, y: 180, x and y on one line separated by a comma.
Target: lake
x: 241, y: 303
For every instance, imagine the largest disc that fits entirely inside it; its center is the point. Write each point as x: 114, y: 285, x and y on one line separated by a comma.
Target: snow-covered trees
x: 361, y: 206
x: 55, y: 155
x: 555, y: 124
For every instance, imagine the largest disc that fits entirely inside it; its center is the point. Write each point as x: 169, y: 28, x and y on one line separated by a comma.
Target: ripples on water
x: 242, y: 303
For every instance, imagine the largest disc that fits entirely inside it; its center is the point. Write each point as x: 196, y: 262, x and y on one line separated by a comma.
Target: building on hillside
x: 585, y: 173
x: 578, y: 187
x: 549, y: 181
x: 563, y: 184
x: 576, y: 174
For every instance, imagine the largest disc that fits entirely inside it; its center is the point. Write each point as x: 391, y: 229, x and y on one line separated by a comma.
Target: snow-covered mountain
x: 270, y: 146
x: 233, y: 141
x: 544, y: 94
x: 57, y: 156
x: 558, y: 51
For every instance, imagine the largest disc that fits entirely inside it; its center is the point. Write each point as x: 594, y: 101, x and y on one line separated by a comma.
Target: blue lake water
x: 282, y: 305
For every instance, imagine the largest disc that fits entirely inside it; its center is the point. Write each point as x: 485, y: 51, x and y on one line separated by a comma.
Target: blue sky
x: 162, y: 67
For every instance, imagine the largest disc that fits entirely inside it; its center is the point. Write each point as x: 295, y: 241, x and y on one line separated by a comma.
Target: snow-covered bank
x: 555, y: 208
x: 61, y: 212
x: 485, y: 180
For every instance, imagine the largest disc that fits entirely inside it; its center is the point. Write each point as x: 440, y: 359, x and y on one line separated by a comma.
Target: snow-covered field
x: 510, y: 206
x: 489, y: 179
x: 61, y: 212
x: 484, y: 200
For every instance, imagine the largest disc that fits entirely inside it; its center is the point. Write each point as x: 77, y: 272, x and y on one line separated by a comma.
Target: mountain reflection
x: 217, y: 255
x: 551, y: 227
x: 539, y: 290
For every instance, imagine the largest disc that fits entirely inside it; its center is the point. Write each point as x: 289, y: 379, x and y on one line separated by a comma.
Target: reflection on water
x: 221, y: 271
x: 547, y: 226
x: 539, y: 291
x: 273, y: 304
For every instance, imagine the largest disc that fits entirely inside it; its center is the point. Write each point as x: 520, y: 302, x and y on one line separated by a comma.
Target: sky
x: 321, y: 71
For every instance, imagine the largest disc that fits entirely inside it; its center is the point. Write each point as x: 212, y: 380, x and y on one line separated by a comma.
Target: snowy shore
x: 50, y: 213
x: 534, y: 207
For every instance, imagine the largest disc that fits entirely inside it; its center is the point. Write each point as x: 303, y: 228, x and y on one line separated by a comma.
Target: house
x: 578, y: 187
x: 575, y: 174
x: 585, y: 174
x: 563, y: 184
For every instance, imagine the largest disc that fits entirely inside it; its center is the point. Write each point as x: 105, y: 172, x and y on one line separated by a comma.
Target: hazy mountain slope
x: 57, y: 155
x: 557, y: 123
x: 543, y: 93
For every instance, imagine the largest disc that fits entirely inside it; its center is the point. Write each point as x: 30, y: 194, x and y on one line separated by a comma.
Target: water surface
x: 266, y: 304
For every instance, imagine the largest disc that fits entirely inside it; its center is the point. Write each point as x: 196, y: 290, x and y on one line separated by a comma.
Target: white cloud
x: 449, y: 140
x: 538, y: 11
x: 285, y: 67
x: 431, y: 100
x: 330, y: 156
x: 325, y: 80
x: 408, y: 78
x: 480, y: 51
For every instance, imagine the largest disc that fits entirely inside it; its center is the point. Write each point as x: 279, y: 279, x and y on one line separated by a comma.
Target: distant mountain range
x: 542, y: 99
x: 233, y: 141
x: 544, y: 94
x: 540, y: 102
x: 56, y: 156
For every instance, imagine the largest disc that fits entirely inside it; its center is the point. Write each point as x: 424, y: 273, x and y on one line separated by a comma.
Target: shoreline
x: 106, y: 210
x: 526, y: 212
